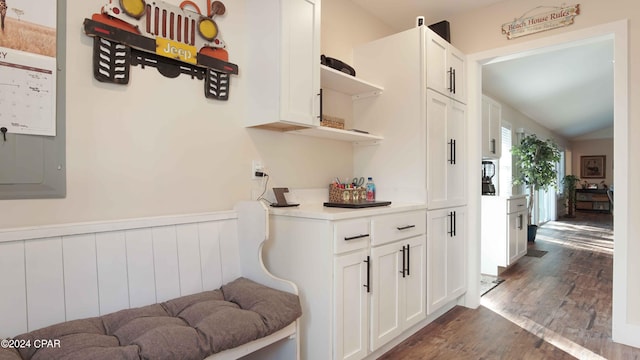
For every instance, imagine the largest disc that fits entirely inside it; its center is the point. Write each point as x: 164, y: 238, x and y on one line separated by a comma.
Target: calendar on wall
x: 27, y: 94
x: 28, y: 68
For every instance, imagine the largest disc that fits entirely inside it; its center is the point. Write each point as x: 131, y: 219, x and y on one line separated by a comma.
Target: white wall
x: 157, y: 146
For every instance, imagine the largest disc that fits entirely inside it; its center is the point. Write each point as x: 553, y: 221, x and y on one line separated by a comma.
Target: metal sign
x: 526, y: 25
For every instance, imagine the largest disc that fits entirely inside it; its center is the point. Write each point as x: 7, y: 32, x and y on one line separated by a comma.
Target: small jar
x: 355, y: 195
x: 346, y: 195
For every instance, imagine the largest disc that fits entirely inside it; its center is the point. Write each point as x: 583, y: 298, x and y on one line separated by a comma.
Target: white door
x: 446, y: 158
x: 522, y: 233
x: 437, y: 237
x: 446, y: 256
x: 300, y: 51
x: 457, y: 254
x: 512, y: 237
x: 415, y: 281
x: 351, y: 310
x: 456, y: 63
x: 456, y: 166
x: 386, y: 265
x: 436, y: 64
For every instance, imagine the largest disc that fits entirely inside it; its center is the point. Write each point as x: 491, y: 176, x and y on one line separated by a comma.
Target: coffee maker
x: 488, y: 171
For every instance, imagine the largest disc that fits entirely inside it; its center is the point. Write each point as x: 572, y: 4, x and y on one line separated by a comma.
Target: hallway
x: 557, y: 306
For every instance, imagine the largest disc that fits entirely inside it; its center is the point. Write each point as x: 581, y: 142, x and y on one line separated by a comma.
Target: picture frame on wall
x: 593, y: 167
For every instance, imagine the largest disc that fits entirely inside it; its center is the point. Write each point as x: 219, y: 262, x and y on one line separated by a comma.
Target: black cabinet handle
x: 368, y: 285
x: 521, y: 222
x: 356, y: 237
x: 320, y: 94
x: 493, y: 146
x: 452, y: 151
x: 452, y: 224
x: 408, y: 259
x: 405, y: 227
x: 454, y: 80
x: 451, y: 79
x: 403, y: 262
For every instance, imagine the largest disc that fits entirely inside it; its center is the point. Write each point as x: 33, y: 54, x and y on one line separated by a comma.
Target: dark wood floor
x: 557, y: 306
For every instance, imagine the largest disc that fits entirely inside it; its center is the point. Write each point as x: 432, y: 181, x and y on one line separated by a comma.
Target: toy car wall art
x: 174, y: 39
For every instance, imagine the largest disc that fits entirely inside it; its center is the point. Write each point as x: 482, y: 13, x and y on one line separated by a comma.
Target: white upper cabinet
x: 491, y: 128
x: 446, y: 72
x: 282, y: 72
x: 446, y: 151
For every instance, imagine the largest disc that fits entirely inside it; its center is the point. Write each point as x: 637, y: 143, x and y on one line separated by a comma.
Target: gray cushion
x: 189, y: 327
x: 277, y: 308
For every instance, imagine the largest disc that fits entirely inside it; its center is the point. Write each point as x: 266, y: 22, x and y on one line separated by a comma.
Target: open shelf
x: 347, y: 84
x: 338, y: 134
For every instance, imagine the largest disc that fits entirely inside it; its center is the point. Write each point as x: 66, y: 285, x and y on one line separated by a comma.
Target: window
x: 505, y: 168
x: 560, y: 167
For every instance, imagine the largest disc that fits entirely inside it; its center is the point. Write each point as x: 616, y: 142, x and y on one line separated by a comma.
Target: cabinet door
x: 522, y: 233
x: 517, y: 240
x: 457, y: 255
x: 456, y: 166
x: 491, y: 129
x: 415, y: 282
x: 351, y: 311
x: 300, y: 83
x: 386, y: 265
x: 283, y: 70
x: 512, y: 237
x: 446, y: 158
x: 457, y: 63
x: 446, y: 254
x: 438, y: 227
x: 436, y: 63
x: 445, y: 64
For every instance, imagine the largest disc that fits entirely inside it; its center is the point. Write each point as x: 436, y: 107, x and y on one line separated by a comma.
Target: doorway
x: 618, y: 32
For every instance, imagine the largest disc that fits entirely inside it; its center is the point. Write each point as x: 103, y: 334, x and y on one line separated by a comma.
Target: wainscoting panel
x: 58, y: 273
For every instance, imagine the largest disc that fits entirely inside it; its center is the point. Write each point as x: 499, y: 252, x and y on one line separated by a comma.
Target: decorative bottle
x: 371, y: 189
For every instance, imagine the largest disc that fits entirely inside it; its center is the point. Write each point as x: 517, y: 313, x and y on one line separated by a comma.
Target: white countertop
x: 320, y: 212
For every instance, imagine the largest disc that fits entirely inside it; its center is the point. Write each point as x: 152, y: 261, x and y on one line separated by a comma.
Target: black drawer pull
x: 356, y: 237
x: 405, y: 227
x: 368, y: 286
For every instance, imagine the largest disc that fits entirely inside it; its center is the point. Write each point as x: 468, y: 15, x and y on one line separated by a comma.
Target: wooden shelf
x: 593, y: 200
x: 347, y: 84
x: 338, y: 134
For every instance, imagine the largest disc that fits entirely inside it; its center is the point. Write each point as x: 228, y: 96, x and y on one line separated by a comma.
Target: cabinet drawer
x: 599, y: 197
x: 517, y: 204
x: 351, y: 235
x: 389, y: 228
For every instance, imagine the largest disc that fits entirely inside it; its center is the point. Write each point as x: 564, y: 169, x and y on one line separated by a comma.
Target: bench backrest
x: 52, y: 274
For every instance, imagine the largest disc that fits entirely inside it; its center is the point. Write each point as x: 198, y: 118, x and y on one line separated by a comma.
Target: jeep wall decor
x: 174, y: 39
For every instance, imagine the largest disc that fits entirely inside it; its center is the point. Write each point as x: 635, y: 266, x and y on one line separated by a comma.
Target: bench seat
x: 188, y: 327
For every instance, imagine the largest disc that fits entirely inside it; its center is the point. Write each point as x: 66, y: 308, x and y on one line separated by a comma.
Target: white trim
x: 38, y: 232
x: 618, y: 31
x: 250, y: 347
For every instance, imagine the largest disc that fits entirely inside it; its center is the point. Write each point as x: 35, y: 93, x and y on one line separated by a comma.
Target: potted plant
x: 536, y: 169
x: 570, y: 182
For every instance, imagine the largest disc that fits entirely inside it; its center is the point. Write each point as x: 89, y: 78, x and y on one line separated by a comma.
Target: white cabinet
x: 446, y: 151
x: 446, y: 72
x: 398, y: 286
x: 517, y: 235
x: 446, y: 251
x: 504, y: 232
x: 282, y: 72
x: 355, y: 297
x: 491, y: 128
x: 423, y: 155
x: 352, y: 277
